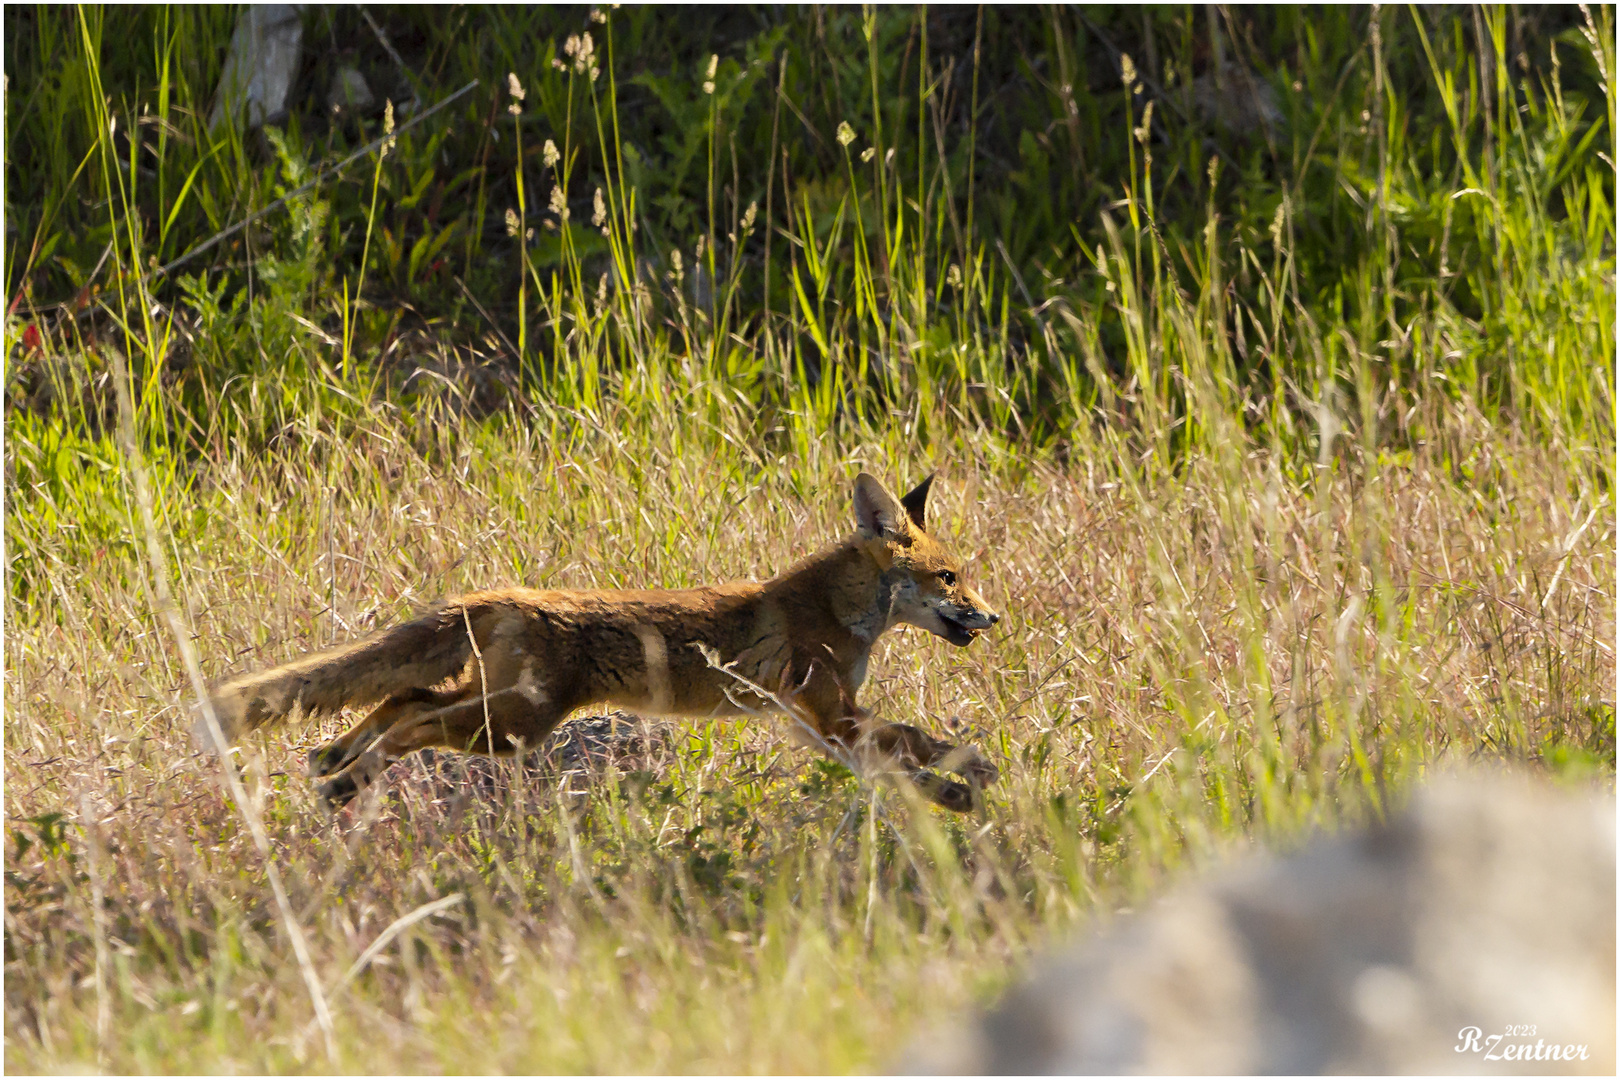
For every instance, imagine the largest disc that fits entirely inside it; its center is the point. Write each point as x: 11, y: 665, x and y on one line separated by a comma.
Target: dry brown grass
x: 1242, y: 646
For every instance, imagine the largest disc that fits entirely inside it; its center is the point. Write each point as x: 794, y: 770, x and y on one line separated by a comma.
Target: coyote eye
x: 947, y: 577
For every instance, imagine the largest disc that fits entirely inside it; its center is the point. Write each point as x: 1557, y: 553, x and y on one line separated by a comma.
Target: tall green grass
x: 1430, y: 181
x: 1285, y: 452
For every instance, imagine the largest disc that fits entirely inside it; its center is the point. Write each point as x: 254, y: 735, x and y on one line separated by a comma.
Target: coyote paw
x: 326, y: 760
x: 947, y: 793
x: 338, y: 791
x: 335, y: 756
x: 972, y: 766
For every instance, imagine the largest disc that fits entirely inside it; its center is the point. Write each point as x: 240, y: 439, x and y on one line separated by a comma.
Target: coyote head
x: 921, y: 580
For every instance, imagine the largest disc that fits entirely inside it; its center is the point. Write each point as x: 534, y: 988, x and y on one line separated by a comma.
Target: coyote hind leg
x: 460, y: 719
x: 341, y: 751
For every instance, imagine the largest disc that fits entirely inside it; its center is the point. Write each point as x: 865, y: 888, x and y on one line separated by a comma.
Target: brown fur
x: 495, y: 671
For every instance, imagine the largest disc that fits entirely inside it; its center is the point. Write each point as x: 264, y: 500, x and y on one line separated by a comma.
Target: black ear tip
x: 922, y: 488
x: 916, y: 499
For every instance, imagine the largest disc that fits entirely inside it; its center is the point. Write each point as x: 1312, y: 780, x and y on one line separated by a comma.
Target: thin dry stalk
x: 166, y: 609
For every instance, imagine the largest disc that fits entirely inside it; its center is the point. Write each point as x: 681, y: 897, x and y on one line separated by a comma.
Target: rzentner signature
x: 1501, y: 1047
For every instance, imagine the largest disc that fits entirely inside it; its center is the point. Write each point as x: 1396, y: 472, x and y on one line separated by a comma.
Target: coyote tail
x: 419, y: 653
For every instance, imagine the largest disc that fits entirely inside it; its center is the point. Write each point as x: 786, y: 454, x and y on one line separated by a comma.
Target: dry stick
x: 1569, y: 549
x: 393, y: 54
x: 380, y: 942
x: 872, y: 869
x: 163, y: 271
x: 487, y: 316
x: 164, y: 606
x: 770, y: 180
x: 483, y: 679
x: 98, y: 922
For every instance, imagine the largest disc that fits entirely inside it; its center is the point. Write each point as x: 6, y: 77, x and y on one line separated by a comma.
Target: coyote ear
x: 878, y: 515
x: 915, y: 499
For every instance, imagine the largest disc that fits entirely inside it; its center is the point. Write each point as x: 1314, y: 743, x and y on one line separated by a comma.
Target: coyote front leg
x: 826, y: 703
x: 913, y: 746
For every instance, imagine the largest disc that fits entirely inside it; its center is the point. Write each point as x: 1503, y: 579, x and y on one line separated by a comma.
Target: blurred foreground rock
x: 1481, y: 918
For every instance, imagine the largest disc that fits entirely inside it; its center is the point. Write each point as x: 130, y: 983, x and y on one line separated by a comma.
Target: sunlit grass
x: 1266, y: 557
x: 1222, y: 653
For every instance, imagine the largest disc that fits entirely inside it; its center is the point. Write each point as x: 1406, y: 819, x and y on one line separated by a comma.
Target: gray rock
x: 260, y: 68
x: 349, y: 92
x: 1486, y: 906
